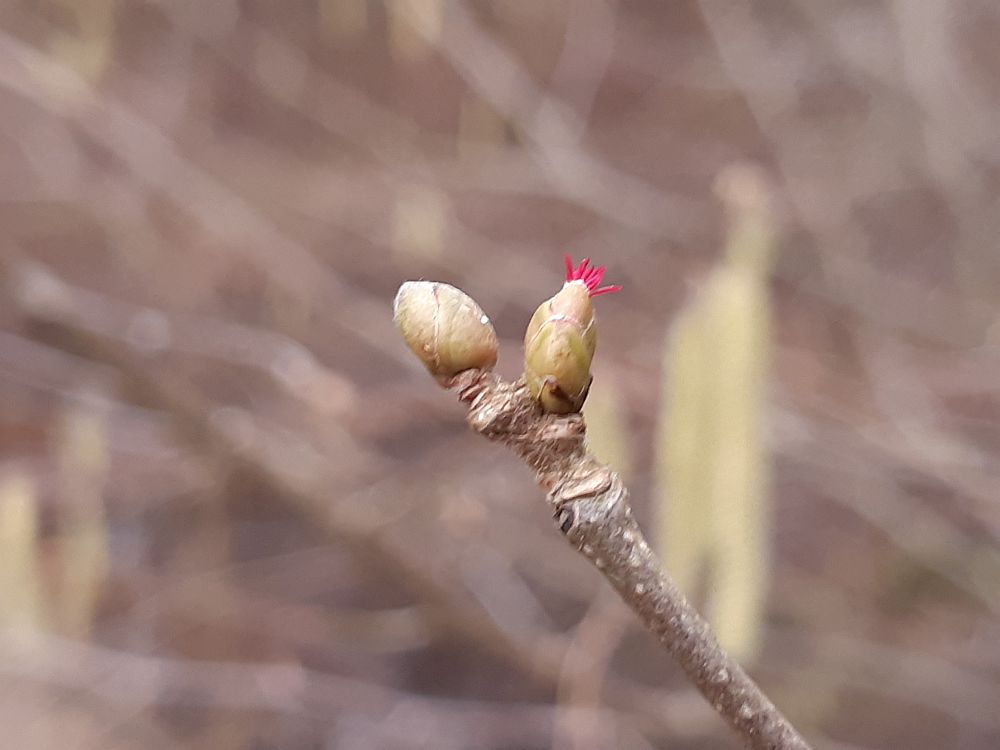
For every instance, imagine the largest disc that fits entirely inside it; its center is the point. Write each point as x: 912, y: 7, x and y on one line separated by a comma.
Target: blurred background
x: 236, y: 513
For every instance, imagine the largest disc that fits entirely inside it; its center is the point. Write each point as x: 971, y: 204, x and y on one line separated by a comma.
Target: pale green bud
x: 445, y: 328
x: 559, y: 347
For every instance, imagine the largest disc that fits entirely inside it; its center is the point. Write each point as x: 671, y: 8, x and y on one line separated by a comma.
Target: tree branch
x: 590, y: 506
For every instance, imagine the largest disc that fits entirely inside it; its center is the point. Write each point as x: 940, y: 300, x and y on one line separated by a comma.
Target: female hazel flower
x: 561, y: 338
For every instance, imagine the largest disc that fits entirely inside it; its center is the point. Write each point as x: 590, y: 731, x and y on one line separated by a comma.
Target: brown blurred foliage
x: 236, y: 513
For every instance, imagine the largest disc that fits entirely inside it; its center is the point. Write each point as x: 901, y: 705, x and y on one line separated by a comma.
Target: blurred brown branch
x: 140, y: 681
x: 153, y: 156
x: 552, y: 131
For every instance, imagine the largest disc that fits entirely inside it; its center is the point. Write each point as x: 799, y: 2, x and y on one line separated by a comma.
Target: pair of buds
x: 450, y: 333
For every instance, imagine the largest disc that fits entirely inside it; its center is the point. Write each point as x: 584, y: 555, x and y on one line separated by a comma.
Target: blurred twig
x: 553, y: 133
x: 281, y: 359
x: 597, y: 637
x: 874, y: 668
x: 864, y: 485
x: 244, y: 445
x: 154, y: 158
x: 141, y: 681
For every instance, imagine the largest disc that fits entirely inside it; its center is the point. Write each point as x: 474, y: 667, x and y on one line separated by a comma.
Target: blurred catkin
x: 712, y: 467
x: 22, y: 613
x: 684, y: 449
x: 82, y: 551
x: 607, y: 432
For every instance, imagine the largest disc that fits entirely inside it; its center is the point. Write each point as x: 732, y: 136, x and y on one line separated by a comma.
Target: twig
x: 152, y: 155
x: 495, y: 74
x: 590, y: 506
x: 588, y: 659
x: 141, y: 681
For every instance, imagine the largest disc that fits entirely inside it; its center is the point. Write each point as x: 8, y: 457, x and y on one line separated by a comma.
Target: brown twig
x: 590, y: 506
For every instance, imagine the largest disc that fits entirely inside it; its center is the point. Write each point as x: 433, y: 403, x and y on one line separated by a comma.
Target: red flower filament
x: 591, y: 276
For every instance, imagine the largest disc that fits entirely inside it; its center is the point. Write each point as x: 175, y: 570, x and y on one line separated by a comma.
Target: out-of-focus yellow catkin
x: 683, y: 450
x: 739, y: 322
x: 445, y: 328
x: 607, y: 431
x: 82, y: 544
x: 712, y: 463
x: 22, y: 610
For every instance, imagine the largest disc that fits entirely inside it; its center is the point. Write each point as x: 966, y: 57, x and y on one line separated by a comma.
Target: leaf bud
x: 445, y: 328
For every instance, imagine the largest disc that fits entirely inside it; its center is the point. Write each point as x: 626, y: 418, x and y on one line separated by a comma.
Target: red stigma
x: 589, y: 275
